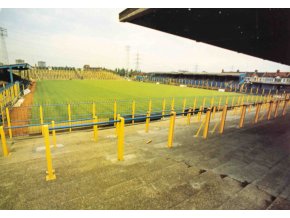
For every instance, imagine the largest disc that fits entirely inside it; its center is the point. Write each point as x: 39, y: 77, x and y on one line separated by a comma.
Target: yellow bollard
x: 257, y: 91
x: 242, y: 119
x: 147, y: 121
x: 115, y: 111
x: 95, y: 128
x: 8, y: 123
x: 223, y: 119
x: 207, y: 121
x: 69, y: 115
x: 53, y: 134
x: 121, y: 139
x: 4, y: 144
x: 263, y: 91
x: 133, y: 110
x: 50, y: 172
x: 183, y: 106
x: 171, y: 129
x: 163, y: 107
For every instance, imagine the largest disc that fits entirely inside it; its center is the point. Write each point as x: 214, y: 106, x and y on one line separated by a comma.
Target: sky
x: 75, y: 37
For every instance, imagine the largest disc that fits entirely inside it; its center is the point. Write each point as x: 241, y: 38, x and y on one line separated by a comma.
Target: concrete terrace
x: 244, y: 168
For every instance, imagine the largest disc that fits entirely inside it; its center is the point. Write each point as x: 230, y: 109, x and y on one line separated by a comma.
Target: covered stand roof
x: 263, y: 33
x: 15, y: 67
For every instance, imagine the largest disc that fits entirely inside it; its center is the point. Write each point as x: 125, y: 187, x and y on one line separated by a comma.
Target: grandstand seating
x: 45, y: 74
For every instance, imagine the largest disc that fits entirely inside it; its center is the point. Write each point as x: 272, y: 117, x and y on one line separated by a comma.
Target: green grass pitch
x: 81, y: 93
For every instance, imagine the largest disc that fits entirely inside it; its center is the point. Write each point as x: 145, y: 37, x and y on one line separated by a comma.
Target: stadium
x: 94, y: 138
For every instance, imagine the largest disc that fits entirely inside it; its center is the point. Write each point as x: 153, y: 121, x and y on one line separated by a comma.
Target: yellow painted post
x: 257, y: 90
x: 4, y: 144
x: 219, y: 104
x: 251, y: 91
x: 94, y: 109
x: 199, y: 114
x: 171, y: 129
x: 203, y: 103
x: 115, y: 111
x: 276, y: 109
x: 269, y: 110
x: 227, y: 100
x: 121, y: 139
x: 213, y: 112
x: 241, y: 103
x: 41, y: 118
x: 50, y: 172
x: 69, y: 115
x: 233, y: 101
x: 223, y: 119
x: 150, y: 106
x: 183, y: 106
x: 211, y: 102
x: 2, y: 114
x: 199, y: 129
x: 133, y: 110
x: 95, y: 128
x: 147, y: 121
x: 172, y: 104
x: 276, y: 91
x: 53, y: 134
x: 247, y: 100
x: 8, y: 123
x: 242, y: 119
x: 257, y: 113
x: 207, y: 121
x: 284, y: 107
x: 118, y: 124
x: 189, y: 116
x: 194, y: 104
x: 163, y: 107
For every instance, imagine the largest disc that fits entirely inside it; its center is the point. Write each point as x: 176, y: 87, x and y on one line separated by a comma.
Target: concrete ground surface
x: 245, y: 168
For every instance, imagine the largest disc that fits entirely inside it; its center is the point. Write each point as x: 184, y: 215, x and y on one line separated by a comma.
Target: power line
x: 3, y: 48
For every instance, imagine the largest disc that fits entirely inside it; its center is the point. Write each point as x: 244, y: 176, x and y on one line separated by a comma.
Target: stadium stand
x: 71, y: 74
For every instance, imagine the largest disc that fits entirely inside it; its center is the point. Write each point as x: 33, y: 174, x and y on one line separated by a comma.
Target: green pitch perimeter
x: 55, y: 95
